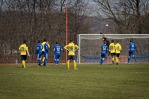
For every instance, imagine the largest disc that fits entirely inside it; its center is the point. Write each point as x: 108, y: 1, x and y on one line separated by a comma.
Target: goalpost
x: 89, y: 47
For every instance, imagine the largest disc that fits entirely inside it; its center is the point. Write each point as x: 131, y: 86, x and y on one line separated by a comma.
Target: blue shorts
x: 39, y: 55
x: 103, y: 55
x: 71, y: 57
x: 45, y: 54
x: 23, y: 57
x: 56, y: 56
x: 131, y: 53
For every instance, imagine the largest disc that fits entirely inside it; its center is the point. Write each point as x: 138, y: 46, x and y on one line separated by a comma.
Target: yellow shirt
x: 23, y: 48
x: 118, y: 48
x: 112, y: 48
x: 43, y: 46
x: 71, y: 47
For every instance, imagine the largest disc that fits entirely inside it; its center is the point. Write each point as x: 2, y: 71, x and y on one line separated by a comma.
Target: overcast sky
x: 91, y: 8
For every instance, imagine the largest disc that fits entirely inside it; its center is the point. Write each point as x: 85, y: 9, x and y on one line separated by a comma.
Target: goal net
x: 89, y: 47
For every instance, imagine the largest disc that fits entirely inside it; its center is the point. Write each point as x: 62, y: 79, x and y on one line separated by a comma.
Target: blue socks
x: 129, y: 60
x: 45, y: 62
x: 39, y: 61
x: 56, y: 61
x: 101, y: 61
x: 133, y: 58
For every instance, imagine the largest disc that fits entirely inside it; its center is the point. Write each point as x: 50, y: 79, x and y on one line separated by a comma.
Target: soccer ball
x: 107, y: 25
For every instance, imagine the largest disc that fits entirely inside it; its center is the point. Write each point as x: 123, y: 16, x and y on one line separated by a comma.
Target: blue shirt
x: 46, y: 47
x: 57, y: 49
x: 104, y: 49
x: 132, y: 46
x: 39, y: 48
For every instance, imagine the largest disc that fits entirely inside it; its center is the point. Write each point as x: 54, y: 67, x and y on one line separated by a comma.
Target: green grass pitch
x: 90, y: 81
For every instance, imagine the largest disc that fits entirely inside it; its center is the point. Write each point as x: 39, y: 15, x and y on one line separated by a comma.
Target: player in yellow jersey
x: 24, y: 52
x: 112, y: 50
x: 71, y: 47
x: 118, y: 49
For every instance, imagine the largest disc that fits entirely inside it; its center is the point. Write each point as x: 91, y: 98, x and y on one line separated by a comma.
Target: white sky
x: 91, y: 8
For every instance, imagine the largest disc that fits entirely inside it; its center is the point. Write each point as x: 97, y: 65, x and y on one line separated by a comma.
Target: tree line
x: 34, y: 20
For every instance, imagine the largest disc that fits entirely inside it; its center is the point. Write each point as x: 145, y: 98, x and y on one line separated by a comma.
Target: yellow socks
x: 117, y: 60
x: 68, y: 64
x: 75, y: 65
x: 23, y: 64
x: 113, y: 60
x: 43, y: 59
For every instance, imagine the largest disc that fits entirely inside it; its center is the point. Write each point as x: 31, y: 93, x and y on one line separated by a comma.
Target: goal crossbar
x: 109, y: 36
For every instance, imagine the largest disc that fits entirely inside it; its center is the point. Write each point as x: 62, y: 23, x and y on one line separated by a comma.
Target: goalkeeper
x: 104, y: 38
x: 71, y: 48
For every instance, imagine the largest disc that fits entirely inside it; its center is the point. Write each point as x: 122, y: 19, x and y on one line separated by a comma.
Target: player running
x: 45, y: 51
x: 39, y: 53
x: 71, y: 48
x: 104, y: 50
x: 57, y: 53
x: 132, y: 48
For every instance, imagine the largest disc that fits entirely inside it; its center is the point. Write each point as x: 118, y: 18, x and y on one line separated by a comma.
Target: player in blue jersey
x: 45, y: 51
x: 132, y: 48
x: 57, y: 53
x: 104, y: 50
x: 39, y: 53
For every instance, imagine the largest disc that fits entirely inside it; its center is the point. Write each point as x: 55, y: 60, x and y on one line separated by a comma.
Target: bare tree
x: 37, y: 19
x: 129, y: 15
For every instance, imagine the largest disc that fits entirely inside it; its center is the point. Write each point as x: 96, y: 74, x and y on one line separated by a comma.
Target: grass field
x: 126, y: 81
